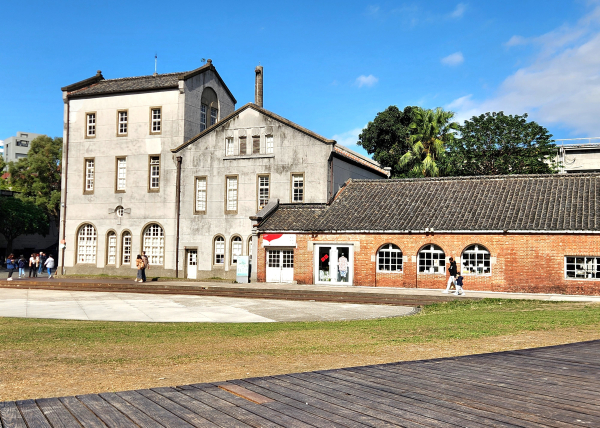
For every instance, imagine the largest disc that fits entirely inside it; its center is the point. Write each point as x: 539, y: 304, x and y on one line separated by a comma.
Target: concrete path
x: 84, y: 305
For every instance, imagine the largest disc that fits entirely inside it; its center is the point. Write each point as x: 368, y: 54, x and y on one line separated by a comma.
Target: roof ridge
x: 481, y: 177
x: 144, y: 76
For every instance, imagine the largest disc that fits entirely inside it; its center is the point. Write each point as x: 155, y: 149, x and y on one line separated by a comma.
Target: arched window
x: 389, y: 258
x: 219, y: 250
x: 236, y: 249
x: 432, y: 259
x: 476, y: 260
x: 154, y: 244
x: 126, y: 248
x: 209, y: 108
x: 86, y: 244
x: 111, y: 248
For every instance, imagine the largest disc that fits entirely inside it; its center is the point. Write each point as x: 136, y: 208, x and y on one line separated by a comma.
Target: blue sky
x: 328, y: 66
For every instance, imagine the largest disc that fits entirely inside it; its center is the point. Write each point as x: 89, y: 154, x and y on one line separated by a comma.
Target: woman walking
x: 32, y: 267
x: 11, y: 265
x: 139, y: 264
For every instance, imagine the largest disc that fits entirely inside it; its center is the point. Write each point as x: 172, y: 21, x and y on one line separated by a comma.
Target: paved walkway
x: 545, y: 387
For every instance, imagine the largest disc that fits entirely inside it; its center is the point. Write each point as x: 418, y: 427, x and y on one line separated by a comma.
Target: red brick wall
x: 524, y: 263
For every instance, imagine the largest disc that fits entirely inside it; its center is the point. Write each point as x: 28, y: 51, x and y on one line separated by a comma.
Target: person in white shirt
x: 49, y: 265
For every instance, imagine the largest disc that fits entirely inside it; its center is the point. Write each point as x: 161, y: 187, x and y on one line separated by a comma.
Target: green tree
x: 37, y: 177
x: 20, y: 217
x: 497, y: 144
x: 386, y: 137
x: 431, y: 131
x: 3, y: 182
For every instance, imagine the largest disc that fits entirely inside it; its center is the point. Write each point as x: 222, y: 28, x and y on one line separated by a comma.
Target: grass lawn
x: 42, y: 358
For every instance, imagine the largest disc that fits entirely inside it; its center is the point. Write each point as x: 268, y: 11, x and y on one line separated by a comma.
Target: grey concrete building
x: 16, y: 147
x: 579, y: 155
x: 166, y: 165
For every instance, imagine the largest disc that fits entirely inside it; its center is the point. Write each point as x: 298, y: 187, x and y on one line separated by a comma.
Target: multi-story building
x: 17, y: 147
x: 166, y: 165
x: 579, y: 155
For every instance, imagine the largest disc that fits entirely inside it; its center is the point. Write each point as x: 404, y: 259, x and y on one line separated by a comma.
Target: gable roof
x: 97, y: 85
x: 517, y: 203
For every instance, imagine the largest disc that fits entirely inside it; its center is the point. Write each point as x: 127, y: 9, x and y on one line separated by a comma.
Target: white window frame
x: 86, y: 244
x: 203, y: 112
x: 154, y: 244
x: 231, y: 193
x: 431, y: 252
x: 90, y: 121
x: 269, y: 144
x: 389, y: 259
x: 219, y: 250
x: 297, y: 188
x: 126, y: 248
x: 155, y: 120
x: 583, y: 267
x: 229, y: 147
x: 214, y: 114
x: 122, y: 125
x: 263, y: 191
x: 154, y: 173
x: 474, y: 260
x: 111, y: 248
x: 201, y: 190
x: 90, y: 172
x: 237, y: 245
x: 121, y: 174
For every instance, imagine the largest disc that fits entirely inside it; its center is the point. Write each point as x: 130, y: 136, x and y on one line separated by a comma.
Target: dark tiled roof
x: 346, y: 153
x: 534, y: 203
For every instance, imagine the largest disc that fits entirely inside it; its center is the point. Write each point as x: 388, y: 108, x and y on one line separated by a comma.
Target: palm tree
x: 432, y: 130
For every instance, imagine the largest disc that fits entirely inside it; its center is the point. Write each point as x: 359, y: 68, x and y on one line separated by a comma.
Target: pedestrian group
x: 36, y: 263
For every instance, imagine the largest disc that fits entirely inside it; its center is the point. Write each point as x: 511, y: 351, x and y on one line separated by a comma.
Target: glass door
x: 334, y: 264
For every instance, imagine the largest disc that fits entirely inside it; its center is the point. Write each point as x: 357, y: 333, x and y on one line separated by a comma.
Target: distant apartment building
x: 579, y: 155
x: 17, y: 147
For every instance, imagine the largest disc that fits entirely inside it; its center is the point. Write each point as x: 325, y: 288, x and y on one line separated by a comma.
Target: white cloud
x: 348, y: 138
x: 459, y: 10
x: 516, y: 41
x: 561, y: 86
x: 372, y: 9
x: 368, y: 81
x: 454, y: 59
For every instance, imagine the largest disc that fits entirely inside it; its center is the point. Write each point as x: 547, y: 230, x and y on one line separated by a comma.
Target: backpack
x: 21, y: 263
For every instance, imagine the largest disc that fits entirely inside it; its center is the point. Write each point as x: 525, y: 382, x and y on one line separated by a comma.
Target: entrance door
x: 334, y: 264
x: 192, y: 263
x: 280, y: 265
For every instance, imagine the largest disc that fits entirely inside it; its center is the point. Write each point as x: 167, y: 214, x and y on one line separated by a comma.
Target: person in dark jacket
x: 43, y: 259
x: 459, y: 285
x: 452, y: 270
x: 11, y: 265
x: 22, y: 263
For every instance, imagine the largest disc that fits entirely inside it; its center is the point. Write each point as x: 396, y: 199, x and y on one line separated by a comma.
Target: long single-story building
x: 519, y: 233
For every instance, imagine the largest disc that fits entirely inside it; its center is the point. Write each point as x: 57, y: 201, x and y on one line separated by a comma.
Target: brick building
x: 521, y: 233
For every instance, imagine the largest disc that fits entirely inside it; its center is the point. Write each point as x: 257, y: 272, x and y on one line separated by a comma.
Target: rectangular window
x: 155, y: 120
x: 122, y: 123
x: 582, y: 267
x: 297, y: 187
x: 229, y: 147
x: 112, y: 249
x: 89, y: 176
x: 219, y: 251
x: 154, y: 176
x: 263, y: 191
x: 200, y: 207
x: 232, y: 194
x: 255, y: 145
x: 91, y: 125
x: 126, y: 248
x: 121, y: 174
x: 213, y: 116
x: 269, y: 144
x: 203, y: 108
x: 242, y: 145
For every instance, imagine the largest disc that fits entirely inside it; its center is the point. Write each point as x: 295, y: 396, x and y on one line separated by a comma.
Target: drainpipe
x: 64, y: 190
x: 178, y: 193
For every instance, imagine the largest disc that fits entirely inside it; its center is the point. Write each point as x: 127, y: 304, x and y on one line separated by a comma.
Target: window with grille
x: 219, y: 250
x: 89, y: 175
x: 269, y: 144
x: 121, y: 173
x: 112, y: 249
x: 122, y: 130
x: 263, y: 191
x: 213, y: 116
x: 297, y: 187
x: 229, y: 147
x: 154, y: 172
x: 255, y: 145
x: 476, y: 260
x: 389, y: 258
x: 86, y: 244
x: 156, y: 120
x: 91, y: 125
x: 232, y: 193
x: 274, y: 259
x: 203, y: 108
x: 243, y: 146
x: 154, y: 244
x: 582, y: 267
x: 236, y: 249
x: 126, y: 249
x: 200, y: 194
x: 288, y: 259
x: 432, y: 259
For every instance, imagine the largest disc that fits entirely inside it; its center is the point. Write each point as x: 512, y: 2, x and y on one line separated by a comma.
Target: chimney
x: 258, y: 86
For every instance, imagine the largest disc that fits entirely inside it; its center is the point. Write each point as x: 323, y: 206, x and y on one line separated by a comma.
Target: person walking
x: 37, y: 264
x: 11, y: 265
x: 146, y: 265
x: 49, y: 263
x: 459, y: 285
x: 22, y: 263
x: 32, y: 267
x: 452, y: 280
x: 139, y: 264
x: 42, y: 262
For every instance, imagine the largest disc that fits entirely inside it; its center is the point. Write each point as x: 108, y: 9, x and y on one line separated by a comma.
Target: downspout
x: 63, y: 172
x: 178, y: 193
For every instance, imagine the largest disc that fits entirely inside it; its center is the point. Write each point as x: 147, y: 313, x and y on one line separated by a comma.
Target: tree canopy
x: 21, y: 217
x: 497, y: 144
x: 37, y: 177
x: 386, y: 137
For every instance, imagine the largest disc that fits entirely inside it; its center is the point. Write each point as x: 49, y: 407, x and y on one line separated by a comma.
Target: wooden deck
x: 556, y: 386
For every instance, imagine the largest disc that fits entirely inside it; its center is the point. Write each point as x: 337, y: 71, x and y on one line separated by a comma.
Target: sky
x: 328, y: 66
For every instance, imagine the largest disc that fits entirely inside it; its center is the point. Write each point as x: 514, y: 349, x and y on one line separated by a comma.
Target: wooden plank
x: 244, y: 393
x: 81, y: 413
x: 152, y: 409
x: 10, y: 417
x: 56, y: 413
x: 104, y: 411
x: 33, y: 416
x: 140, y: 418
x: 187, y: 415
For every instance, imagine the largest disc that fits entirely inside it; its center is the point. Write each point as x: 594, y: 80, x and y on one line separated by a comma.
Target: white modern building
x: 579, y: 155
x: 16, y: 147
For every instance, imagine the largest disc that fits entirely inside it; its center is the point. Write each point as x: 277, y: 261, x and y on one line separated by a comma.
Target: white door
x: 334, y: 264
x: 192, y: 264
x: 280, y: 265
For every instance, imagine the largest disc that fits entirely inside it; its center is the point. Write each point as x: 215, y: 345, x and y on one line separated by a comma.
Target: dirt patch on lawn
x: 31, y: 377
